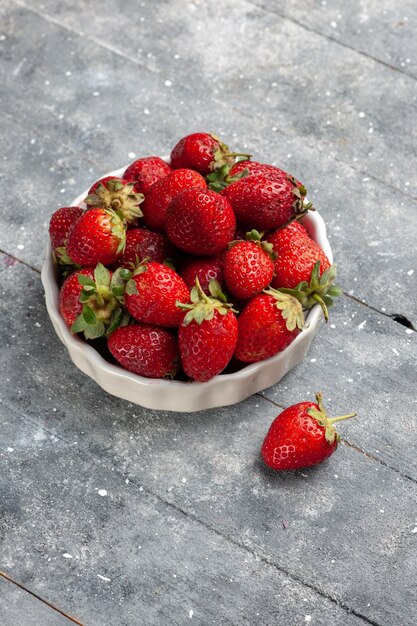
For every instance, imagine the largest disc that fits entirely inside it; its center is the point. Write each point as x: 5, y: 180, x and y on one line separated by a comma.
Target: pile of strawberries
x: 188, y: 268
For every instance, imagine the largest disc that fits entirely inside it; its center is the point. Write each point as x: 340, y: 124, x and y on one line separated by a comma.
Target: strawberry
x: 208, y: 334
x: 145, y: 172
x: 253, y: 168
x: 248, y: 266
x: 301, y: 436
x: 205, y: 269
x: 145, y: 350
x: 143, y: 244
x: 98, y: 236
x: 225, y: 176
x: 163, y: 191
x: 200, y: 222
x: 202, y: 152
x: 264, y: 204
x: 302, y: 268
x: 104, y: 181
x: 60, y: 224
x: 267, y: 325
x: 152, y: 293
x: 296, y: 254
x: 117, y: 195
x: 90, y: 301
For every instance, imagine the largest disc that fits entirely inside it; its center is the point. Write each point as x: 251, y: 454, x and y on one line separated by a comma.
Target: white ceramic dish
x: 174, y: 395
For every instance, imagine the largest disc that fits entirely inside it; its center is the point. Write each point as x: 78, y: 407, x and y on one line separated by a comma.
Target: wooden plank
x: 337, y: 101
x: 19, y: 608
x: 382, y: 30
x: 350, y: 521
x: 114, y: 553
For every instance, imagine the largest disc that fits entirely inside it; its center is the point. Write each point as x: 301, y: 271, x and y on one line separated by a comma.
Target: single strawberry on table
x: 152, y: 294
x: 98, y: 236
x: 163, y: 191
x: 200, y: 222
x: 302, y: 435
x: 90, y: 301
x: 248, y: 266
x: 208, y: 333
x: 202, y: 152
x: 60, y: 225
x: 145, y: 172
x: 302, y: 268
x: 265, y: 204
x: 145, y: 350
x: 267, y: 325
x: 117, y: 195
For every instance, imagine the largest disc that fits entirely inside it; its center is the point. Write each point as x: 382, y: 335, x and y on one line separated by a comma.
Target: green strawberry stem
x: 321, y: 302
x: 332, y: 420
x: 202, y: 306
x: 319, y: 290
x: 290, y: 307
x: 327, y: 422
x: 120, y: 198
x: 298, y: 214
x: 101, y: 298
x: 238, y: 154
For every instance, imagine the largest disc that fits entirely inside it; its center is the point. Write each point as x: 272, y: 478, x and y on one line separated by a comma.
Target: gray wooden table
x: 116, y: 515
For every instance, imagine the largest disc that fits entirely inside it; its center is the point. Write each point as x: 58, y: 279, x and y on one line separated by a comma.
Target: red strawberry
x: 248, y: 266
x: 142, y: 244
x: 205, y: 269
x: 301, y: 436
x: 302, y: 269
x: 267, y: 325
x: 145, y: 350
x: 252, y: 168
x: 59, y: 226
x: 200, y: 222
x: 98, y: 236
x: 297, y: 227
x: 203, y: 152
x: 145, y: 172
x: 163, y: 191
x: 207, y: 336
x: 152, y: 293
x: 70, y: 306
x: 264, y: 204
x: 90, y: 301
x: 117, y: 195
x: 296, y: 254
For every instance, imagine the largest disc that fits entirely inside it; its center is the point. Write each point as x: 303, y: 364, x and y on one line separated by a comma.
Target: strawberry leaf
x: 102, y: 276
x: 131, y: 288
x: 88, y: 314
x: 79, y: 325
x: 95, y: 330
x: 86, y: 280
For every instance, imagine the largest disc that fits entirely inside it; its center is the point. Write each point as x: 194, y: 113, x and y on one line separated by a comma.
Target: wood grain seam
x: 341, y: 43
x: 35, y: 595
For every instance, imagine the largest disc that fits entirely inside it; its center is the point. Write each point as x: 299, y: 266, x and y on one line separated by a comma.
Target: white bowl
x: 222, y: 390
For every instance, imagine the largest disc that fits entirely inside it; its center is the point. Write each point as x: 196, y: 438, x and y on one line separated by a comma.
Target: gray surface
x: 235, y: 544
x: 19, y: 608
